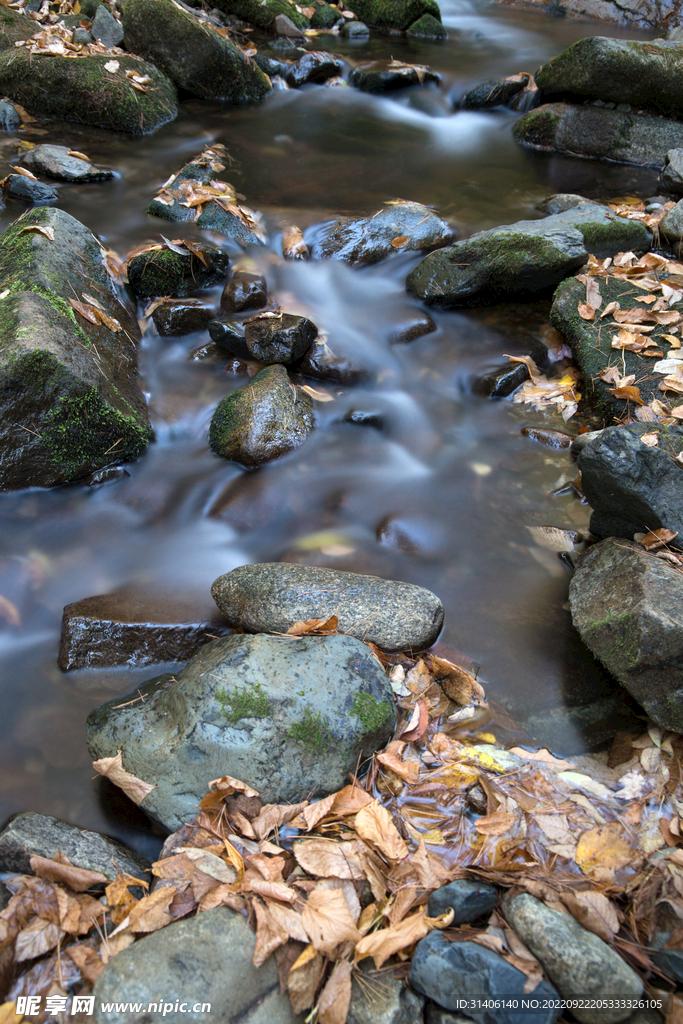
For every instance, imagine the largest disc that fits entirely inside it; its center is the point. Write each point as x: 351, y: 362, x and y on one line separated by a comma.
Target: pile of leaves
x: 543, y: 393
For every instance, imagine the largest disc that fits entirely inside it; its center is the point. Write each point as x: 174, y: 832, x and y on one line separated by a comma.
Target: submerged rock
x: 627, y: 606
x: 322, y: 363
x: 400, y: 14
x: 82, y: 89
x: 244, y: 290
x: 28, y: 190
x: 272, y: 596
x: 58, y: 162
x: 228, y: 335
x: 522, y: 259
x: 71, y: 382
x: 598, y: 133
x: 501, y: 383
x: 263, y: 13
x: 354, y: 30
x: 287, y: 718
x: 580, y: 964
x: 380, y: 76
x: 135, y: 627
x: 40, y: 835
x: 278, y: 337
x: 191, y: 52
x: 164, y: 271
x: 672, y: 172
x: 262, y: 421
x: 371, y: 239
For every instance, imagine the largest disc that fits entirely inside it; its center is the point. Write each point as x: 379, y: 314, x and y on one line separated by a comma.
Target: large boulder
x: 288, y: 717
x: 520, y: 260
x: 69, y: 399
x: 645, y: 73
x: 627, y: 605
x: 633, y: 487
x: 14, y: 27
x: 370, y: 239
x: 191, y: 51
x: 598, y: 133
x: 274, y: 595
x: 263, y: 13
x: 265, y: 419
x: 83, y: 89
x: 393, y: 14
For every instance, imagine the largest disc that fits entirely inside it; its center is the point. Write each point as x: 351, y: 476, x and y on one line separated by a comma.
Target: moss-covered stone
x: 191, y: 52
x: 325, y: 15
x: 165, y: 272
x: 69, y: 401
x: 372, y: 713
x: 14, y: 26
x: 80, y: 89
x: 428, y: 27
x: 263, y: 13
x: 263, y: 420
x: 393, y: 14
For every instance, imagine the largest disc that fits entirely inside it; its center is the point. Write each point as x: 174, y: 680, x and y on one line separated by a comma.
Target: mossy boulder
x: 428, y: 27
x: 13, y: 27
x: 166, y: 272
x: 325, y: 15
x: 599, y: 134
x: 523, y: 259
x: 69, y: 400
x: 645, y: 73
x: 393, y: 14
x: 81, y: 89
x: 263, y: 420
x: 191, y: 52
x: 286, y: 718
x: 263, y: 13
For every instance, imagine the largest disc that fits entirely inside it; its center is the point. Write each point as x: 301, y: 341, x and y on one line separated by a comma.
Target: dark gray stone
x: 382, y: 999
x: 415, y: 324
x: 557, y: 440
x: 468, y: 900
x: 278, y: 337
x: 314, y: 67
x: 243, y: 291
x: 263, y: 420
x: 56, y: 163
x: 670, y: 961
x: 205, y: 961
x: 380, y: 76
x: 448, y: 972
x: 135, y: 627
x: 284, y: 26
x: 165, y: 271
x: 559, y: 202
x: 106, y: 29
x: 17, y: 186
x: 368, y: 240
x: 581, y: 440
x: 632, y: 487
x: 354, y: 30
x: 282, y: 715
x: 40, y: 835
x: 181, y: 316
x: 82, y: 36
x: 578, y: 963
x: 5, y: 895
x: 507, y: 92
x: 672, y: 173
x: 626, y: 604
x: 437, y: 1015
x: 10, y: 118
x: 322, y: 363
x: 228, y: 335
x: 273, y: 596
x: 501, y: 383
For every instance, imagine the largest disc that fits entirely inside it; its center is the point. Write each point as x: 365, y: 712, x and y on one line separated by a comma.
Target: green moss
x: 312, y: 732
x: 372, y: 712
x: 263, y: 13
x: 538, y: 128
x: 393, y: 14
x: 249, y: 702
x: 164, y: 272
x: 325, y: 15
x: 428, y: 27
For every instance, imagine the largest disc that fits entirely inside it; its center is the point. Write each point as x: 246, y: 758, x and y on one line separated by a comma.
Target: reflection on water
x: 435, y: 487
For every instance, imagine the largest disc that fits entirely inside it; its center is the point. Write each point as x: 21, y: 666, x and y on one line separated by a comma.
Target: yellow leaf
x: 8, y: 1014
x: 604, y: 847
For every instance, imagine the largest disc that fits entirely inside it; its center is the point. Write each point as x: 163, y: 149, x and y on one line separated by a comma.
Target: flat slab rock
x: 288, y: 717
x: 628, y: 607
x: 272, y: 596
x: 58, y: 162
x: 370, y: 239
x: 380, y: 76
x: 40, y: 835
x: 135, y: 627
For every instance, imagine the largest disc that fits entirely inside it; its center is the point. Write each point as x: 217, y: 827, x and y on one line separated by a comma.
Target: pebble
x: 243, y: 291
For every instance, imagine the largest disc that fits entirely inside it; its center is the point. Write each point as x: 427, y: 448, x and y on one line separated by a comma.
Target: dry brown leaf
x: 375, y: 824
x: 317, y: 394
x: 544, y: 757
x: 87, y: 312
x: 303, y: 979
x: 112, y: 769
x: 496, y: 824
x: 586, y: 312
x: 293, y: 245
x: 651, y: 440
x: 409, y: 771
x: 148, y: 914
x: 604, y: 847
x: 269, y: 935
x: 78, y: 879
x: 8, y: 1014
x: 656, y: 539
x: 326, y: 858
x: 38, y: 937
x: 87, y: 961
x: 24, y: 172
x: 401, y: 242
x: 327, y: 920
x: 321, y: 626
x: 41, y: 229
x: 458, y: 684
x: 594, y: 911
x: 382, y: 944
x: 630, y: 393
x: 333, y: 1004
x: 272, y: 816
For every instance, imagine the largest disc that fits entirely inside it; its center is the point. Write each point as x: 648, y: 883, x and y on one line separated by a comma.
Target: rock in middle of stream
x: 287, y: 716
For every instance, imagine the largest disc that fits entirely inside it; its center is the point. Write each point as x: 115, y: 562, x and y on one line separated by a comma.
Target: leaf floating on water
x: 112, y: 769
x: 317, y: 394
x: 9, y: 612
x: 496, y: 824
x: 604, y: 848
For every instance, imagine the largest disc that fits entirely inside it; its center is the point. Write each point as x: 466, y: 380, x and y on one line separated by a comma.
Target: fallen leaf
x: 604, y: 847
x: 496, y: 824
x: 8, y: 1014
x: 409, y: 771
x: 656, y: 539
x: 586, y: 312
x: 112, y: 769
x: 317, y: 394
x: 319, y: 626
x: 87, y: 961
x: 418, y: 723
x: 382, y: 944
x: 326, y: 858
x: 303, y: 979
x: 112, y: 66
x: 78, y: 879
x: 375, y: 824
x: 630, y: 393
x: 594, y: 911
x: 9, y: 612
x: 24, y: 172
x: 327, y: 920
x: 38, y: 937
x: 400, y: 242
x: 651, y: 440
x: 293, y: 245
x: 41, y: 229
x: 333, y: 1004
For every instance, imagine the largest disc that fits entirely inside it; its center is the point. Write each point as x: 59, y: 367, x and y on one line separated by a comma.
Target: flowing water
x: 438, y: 492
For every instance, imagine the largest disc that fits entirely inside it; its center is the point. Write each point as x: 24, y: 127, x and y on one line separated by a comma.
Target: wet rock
x: 82, y: 90
x: 106, y: 29
x: 201, y: 171
x: 379, y: 76
x: 643, y: 73
x: 286, y: 718
x: 40, y: 835
x: 14, y: 27
x: 164, y: 271
x: 451, y: 971
x: 104, y: 476
x: 243, y: 291
x: 262, y: 421
x: 670, y: 961
x: 554, y: 439
x: 135, y: 627
x: 400, y: 14
x: 181, y: 316
x: 559, y: 202
x: 468, y: 900
x: 228, y: 335
x: 273, y: 596
x: 523, y: 259
x: 507, y: 92
x: 365, y: 418
x: 263, y: 15
x: 203, y: 961
x: 671, y: 224
x: 18, y: 186
x: 191, y: 52
x: 10, y: 118
x: 5, y: 895
x: 382, y: 999
x: 501, y: 383
x: 354, y: 30
x: 322, y: 363
x: 56, y: 162
x: 632, y: 487
x: 416, y: 324
x: 325, y: 15
x: 581, y: 440
x: 278, y: 337
x: 672, y: 172
x: 599, y: 133
x: 427, y: 27
x: 576, y: 961
x: 78, y: 405
x: 626, y: 604
x: 314, y: 68
x: 284, y: 26
x: 369, y: 239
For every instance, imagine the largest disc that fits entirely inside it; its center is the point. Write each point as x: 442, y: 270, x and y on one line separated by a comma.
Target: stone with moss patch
x: 166, y: 272
x: 211, y: 720
x: 325, y: 15
x: 428, y: 27
x: 81, y: 89
x: 372, y: 713
x: 69, y: 400
x: 13, y: 27
x: 263, y: 13
x: 393, y: 14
